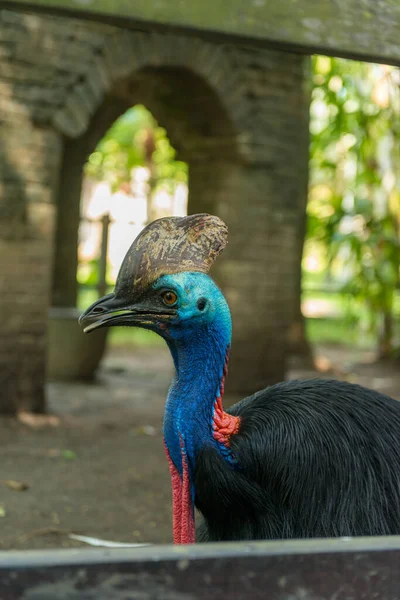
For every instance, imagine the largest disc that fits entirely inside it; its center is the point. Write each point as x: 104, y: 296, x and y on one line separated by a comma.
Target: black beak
x: 110, y: 311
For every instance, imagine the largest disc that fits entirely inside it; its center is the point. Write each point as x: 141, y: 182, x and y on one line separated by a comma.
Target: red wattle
x: 182, y: 506
x: 224, y: 425
x: 188, y: 527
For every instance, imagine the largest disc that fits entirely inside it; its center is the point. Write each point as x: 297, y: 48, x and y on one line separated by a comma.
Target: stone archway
x: 197, y: 124
x: 238, y: 116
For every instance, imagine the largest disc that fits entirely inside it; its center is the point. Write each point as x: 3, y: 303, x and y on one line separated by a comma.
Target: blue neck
x: 199, y: 357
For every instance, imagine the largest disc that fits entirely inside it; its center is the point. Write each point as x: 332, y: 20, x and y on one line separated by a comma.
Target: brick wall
x: 28, y: 169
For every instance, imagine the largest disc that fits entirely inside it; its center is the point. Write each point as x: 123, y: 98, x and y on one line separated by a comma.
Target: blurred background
x: 350, y: 263
x: 105, y: 130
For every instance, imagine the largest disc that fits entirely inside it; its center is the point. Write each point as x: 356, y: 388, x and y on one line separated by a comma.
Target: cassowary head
x: 163, y: 284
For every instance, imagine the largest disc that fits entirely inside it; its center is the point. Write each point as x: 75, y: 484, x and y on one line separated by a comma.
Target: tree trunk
x: 385, y: 347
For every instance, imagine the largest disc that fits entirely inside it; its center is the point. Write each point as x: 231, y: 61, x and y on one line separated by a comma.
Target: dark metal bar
x: 365, y: 569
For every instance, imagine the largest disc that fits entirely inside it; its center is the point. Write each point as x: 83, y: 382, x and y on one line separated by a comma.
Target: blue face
x: 174, y: 306
x: 198, y: 301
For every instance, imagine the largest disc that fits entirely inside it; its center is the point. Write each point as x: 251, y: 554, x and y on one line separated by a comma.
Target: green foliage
x: 88, y: 273
x: 123, y: 148
x: 354, y: 205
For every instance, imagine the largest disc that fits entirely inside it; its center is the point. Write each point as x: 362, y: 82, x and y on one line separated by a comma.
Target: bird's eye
x: 201, y: 303
x: 169, y: 298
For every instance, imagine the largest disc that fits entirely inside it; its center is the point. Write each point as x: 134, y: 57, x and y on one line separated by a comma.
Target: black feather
x: 316, y: 458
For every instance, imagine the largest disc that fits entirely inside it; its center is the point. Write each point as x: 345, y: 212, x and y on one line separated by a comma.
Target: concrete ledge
x: 365, y: 568
x: 367, y: 30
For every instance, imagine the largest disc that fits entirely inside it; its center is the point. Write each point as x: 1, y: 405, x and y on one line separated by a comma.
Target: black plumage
x: 317, y: 458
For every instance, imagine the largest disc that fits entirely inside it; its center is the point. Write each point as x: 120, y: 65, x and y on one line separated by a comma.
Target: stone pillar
x: 75, y: 154
x: 64, y: 284
x: 256, y: 268
x: 260, y: 196
x: 28, y: 161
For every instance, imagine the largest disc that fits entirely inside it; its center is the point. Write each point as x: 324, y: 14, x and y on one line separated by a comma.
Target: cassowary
x: 299, y: 459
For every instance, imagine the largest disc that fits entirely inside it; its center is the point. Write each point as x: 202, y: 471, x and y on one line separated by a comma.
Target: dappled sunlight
x: 320, y: 308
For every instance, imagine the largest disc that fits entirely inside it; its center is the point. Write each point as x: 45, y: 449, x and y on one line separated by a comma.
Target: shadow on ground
x: 102, y: 471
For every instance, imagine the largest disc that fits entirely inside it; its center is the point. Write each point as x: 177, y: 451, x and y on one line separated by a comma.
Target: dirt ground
x: 102, y: 472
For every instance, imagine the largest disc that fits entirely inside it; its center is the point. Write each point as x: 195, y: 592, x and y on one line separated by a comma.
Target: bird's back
x: 316, y: 458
